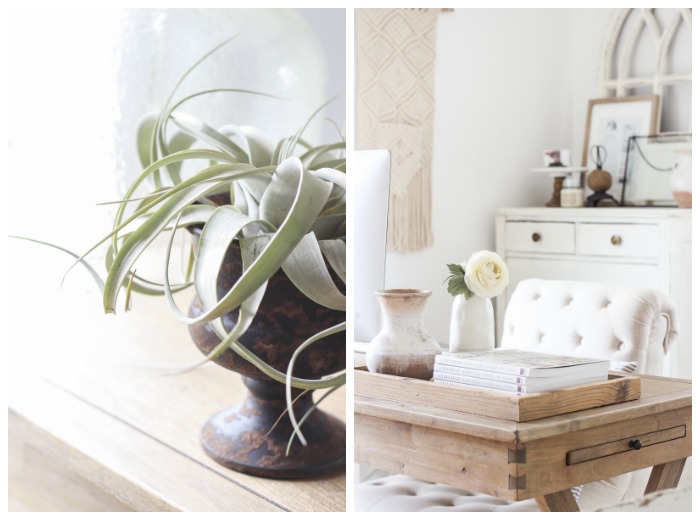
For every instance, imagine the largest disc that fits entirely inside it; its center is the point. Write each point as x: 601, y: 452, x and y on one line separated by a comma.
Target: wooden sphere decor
x: 599, y: 180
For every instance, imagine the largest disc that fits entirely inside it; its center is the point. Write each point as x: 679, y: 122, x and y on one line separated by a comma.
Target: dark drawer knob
x: 536, y: 237
x: 616, y: 240
x: 636, y: 444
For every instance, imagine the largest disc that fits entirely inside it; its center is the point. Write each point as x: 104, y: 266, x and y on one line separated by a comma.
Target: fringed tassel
x: 410, y: 216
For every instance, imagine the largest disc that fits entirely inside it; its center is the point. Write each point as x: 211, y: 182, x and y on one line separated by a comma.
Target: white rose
x: 486, y: 274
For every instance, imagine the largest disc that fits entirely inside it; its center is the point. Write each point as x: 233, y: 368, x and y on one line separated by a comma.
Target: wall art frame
x: 610, y: 123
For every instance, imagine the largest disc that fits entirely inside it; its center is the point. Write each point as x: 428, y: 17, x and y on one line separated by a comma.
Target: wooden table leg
x: 559, y: 501
x: 665, y: 476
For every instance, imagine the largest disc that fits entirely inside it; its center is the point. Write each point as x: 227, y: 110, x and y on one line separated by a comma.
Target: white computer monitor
x: 371, y: 209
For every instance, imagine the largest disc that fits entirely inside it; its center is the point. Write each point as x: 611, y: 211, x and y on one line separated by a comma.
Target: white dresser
x: 641, y: 247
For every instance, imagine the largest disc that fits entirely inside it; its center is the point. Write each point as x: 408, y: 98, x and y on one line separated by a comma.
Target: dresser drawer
x: 635, y: 442
x: 627, y: 240
x: 540, y: 237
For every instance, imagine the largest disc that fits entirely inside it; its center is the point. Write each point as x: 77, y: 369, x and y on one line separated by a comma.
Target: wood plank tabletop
x: 657, y: 395
x: 100, y: 394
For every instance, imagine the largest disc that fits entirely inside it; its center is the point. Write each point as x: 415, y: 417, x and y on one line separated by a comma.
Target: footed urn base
x: 252, y: 437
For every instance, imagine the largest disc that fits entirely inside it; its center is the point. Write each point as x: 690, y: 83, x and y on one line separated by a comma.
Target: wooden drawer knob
x: 636, y: 444
x: 616, y: 240
x: 536, y: 237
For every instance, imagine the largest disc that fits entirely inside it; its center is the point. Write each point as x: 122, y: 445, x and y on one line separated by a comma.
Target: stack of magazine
x: 518, y: 371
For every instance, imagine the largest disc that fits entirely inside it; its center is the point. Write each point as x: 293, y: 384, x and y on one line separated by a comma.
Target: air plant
x: 285, y: 206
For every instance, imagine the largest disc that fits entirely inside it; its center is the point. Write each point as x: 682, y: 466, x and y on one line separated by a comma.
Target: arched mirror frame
x: 616, y: 78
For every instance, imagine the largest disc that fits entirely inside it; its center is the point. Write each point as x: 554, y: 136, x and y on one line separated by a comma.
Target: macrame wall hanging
x: 395, y: 105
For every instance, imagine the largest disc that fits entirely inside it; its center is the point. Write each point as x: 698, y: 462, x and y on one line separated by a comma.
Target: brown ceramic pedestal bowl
x: 245, y: 437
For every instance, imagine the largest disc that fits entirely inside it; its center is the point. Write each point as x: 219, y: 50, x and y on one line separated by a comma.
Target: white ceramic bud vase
x: 403, y: 347
x: 472, y: 325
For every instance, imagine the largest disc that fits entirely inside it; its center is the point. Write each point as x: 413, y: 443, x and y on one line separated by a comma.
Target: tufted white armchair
x: 594, y: 320
x: 634, y: 328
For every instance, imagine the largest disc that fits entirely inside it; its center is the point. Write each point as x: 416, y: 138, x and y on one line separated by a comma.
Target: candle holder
x: 558, y: 174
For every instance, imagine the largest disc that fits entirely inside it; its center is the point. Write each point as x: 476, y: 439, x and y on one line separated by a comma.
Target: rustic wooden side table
x: 542, y: 458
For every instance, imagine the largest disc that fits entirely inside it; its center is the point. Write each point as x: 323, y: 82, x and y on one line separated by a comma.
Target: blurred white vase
x: 275, y: 52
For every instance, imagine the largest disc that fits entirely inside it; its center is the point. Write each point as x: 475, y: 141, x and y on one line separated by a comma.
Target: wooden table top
x: 659, y: 394
x: 89, y: 390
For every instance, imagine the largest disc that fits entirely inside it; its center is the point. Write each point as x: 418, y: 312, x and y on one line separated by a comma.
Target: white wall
x: 509, y: 83
x: 589, y: 29
x: 76, y: 98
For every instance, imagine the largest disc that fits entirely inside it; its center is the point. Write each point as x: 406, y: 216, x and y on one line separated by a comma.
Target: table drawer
x: 540, y: 237
x: 636, y: 442
x: 627, y: 240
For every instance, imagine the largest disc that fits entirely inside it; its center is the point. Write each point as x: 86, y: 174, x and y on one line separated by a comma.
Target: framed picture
x: 650, y: 161
x: 609, y: 125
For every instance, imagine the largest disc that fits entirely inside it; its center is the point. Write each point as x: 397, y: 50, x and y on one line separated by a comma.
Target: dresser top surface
x: 618, y: 212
